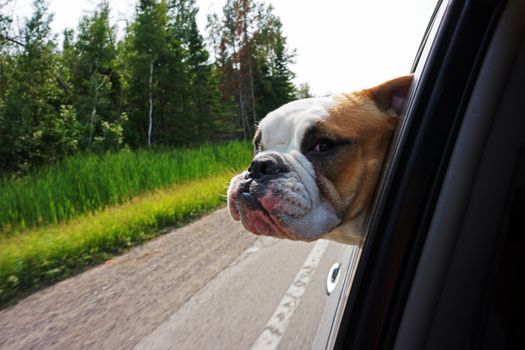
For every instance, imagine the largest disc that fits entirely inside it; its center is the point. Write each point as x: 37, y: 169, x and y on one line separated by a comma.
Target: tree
x: 303, y: 91
x: 5, y: 22
x: 157, y: 86
x: 36, y: 127
x: 96, y: 83
x: 225, y: 36
x: 225, y: 73
x: 170, y: 76
x: 147, y: 55
x: 281, y: 77
x: 272, y: 60
x: 203, y: 102
x: 253, y: 59
x: 5, y: 63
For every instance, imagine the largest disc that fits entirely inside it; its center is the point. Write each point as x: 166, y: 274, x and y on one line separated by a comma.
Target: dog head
x: 316, y: 164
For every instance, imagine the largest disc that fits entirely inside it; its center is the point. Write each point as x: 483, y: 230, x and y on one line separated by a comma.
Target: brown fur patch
x: 354, y: 172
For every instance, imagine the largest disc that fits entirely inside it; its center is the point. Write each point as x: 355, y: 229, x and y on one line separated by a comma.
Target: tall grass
x: 86, y: 183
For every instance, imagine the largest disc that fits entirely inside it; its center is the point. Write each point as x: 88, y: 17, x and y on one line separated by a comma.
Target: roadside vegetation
x: 40, y: 256
x: 86, y: 183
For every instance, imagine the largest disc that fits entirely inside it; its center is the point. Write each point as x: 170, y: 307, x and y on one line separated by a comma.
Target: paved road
x: 209, y: 285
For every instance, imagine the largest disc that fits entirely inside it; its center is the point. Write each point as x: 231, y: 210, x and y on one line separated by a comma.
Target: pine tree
x: 148, y: 54
x: 183, y: 98
x: 272, y: 60
x: 281, y: 78
x: 202, y: 89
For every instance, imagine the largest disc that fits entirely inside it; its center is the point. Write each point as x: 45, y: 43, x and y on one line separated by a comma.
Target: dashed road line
x: 276, y: 326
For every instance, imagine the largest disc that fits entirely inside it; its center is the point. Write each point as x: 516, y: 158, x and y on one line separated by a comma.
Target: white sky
x: 342, y: 45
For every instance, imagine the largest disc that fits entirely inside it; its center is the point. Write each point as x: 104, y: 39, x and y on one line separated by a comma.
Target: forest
x: 162, y: 83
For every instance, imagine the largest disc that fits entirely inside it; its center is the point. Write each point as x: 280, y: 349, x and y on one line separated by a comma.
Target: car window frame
x: 463, y: 248
x: 333, y: 315
x: 396, y: 231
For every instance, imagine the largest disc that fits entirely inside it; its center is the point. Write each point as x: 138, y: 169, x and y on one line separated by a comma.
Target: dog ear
x: 391, y: 95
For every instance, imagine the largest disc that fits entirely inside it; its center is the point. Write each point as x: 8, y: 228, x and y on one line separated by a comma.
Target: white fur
x: 283, y: 129
x: 321, y: 217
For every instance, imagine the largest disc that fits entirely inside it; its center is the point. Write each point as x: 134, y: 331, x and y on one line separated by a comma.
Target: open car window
x: 118, y: 138
x: 337, y: 306
x: 427, y: 278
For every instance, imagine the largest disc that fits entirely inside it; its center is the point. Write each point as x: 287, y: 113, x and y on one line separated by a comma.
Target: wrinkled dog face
x: 316, y: 164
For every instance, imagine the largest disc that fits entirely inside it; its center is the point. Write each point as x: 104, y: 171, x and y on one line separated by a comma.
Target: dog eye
x: 324, y: 145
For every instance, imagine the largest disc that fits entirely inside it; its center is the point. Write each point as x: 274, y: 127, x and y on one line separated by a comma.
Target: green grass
x: 46, y: 254
x: 87, y: 183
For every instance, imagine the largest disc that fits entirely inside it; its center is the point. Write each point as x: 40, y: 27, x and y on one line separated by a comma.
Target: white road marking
x: 276, y: 326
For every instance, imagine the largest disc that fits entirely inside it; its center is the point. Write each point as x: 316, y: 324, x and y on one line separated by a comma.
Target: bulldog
x: 316, y: 165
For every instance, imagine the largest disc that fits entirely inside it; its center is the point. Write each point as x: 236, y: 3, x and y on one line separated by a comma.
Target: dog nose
x: 266, y: 166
